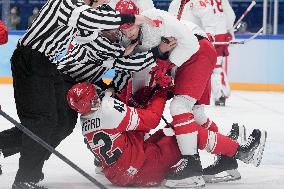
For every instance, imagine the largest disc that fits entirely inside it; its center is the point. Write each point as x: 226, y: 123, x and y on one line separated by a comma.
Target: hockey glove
x: 161, y: 73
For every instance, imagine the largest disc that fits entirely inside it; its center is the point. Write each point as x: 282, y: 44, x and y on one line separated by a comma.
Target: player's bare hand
x: 167, y: 44
x: 140, y: 19
x: 129, y: 49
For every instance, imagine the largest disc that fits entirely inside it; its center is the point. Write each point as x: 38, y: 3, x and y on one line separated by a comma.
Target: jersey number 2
x: 105, y: 150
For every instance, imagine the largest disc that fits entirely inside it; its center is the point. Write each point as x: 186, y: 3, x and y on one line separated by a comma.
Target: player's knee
x: 199, y: 114
x: 181, y: 104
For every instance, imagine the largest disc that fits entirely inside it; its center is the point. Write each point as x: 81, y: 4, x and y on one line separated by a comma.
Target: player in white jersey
x: 195, y: 59
x: 216, y: 17
x: 196, y: 11
x: 226, y: 17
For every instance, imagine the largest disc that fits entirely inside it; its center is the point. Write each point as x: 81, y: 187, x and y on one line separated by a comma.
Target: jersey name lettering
x: 91, y: 124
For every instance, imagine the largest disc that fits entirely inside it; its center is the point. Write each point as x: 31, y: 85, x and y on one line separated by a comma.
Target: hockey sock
x: 210, y: 125
x: 186, y: 133
x: 216, y: 143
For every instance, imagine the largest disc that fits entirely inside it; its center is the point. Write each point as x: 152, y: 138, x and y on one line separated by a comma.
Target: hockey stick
x: 239, y: 42
x: 51, y: 149
x: 244, y: 14
x: 166, y: 121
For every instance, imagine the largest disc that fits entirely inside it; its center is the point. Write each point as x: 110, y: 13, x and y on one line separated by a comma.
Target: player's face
x: 131, y: 33
x: 96, y: 103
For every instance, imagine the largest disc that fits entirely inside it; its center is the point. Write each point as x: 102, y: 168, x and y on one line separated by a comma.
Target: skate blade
x: 192, y: 182
x: 230, y: 175
x: 258, y: 155
x: 242, y: 134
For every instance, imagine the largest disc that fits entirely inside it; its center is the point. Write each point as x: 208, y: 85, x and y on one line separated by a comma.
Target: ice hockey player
x: 224, y: 33
x: 39, y: 89
x: 217, y: 19
x: 115, y: 133
x: 3, y: 33
x: 195, y: 59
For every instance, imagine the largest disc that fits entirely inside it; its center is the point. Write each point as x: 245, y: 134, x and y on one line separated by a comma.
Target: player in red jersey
x: 115, y: 133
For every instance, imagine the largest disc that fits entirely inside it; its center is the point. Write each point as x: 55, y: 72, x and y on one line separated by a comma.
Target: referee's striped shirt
x: 58, y: 20
x: 90, y: 61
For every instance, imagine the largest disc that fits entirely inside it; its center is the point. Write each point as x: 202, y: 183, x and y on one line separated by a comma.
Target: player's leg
x: 66, y: 117
x: 161, y: 154
x: 248, y: 152
x: 219, y: 80
x: 191, y: 79
x: 33, y: 76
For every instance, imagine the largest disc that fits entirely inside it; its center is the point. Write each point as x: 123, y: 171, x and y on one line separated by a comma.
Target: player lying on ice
x: 115, y: 133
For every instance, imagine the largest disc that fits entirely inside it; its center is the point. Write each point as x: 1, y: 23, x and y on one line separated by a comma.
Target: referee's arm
x: 86, y: 18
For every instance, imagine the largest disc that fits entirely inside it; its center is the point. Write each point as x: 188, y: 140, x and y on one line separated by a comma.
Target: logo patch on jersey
x: 158, y: 23
x: 78, y: 91
x: 132, y: 171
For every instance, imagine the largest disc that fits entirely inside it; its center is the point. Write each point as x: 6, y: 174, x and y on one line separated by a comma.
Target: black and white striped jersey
x: 58, y: 20
x: 90, y: 61
x: 120, y: 79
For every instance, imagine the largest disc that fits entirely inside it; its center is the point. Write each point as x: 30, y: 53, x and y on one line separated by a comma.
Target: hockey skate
x: 221, y: 101
x: 27, y: 185
x: 252, y: 150
x: 224, y: 169
x: 187, y: 173
x: 237, y: 133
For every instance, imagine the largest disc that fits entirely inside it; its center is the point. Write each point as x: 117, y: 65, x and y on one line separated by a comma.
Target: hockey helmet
x: 82, y: 96
x: 126, y: 7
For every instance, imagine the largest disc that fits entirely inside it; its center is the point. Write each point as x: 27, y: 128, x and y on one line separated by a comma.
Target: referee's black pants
x: 40, y: 97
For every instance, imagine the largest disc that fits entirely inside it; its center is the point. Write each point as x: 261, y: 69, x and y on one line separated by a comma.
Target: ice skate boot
x: 187, y: 173
x: 224, y: 169
x: 27, y: 185
x: 221, y: 101
x: 252, y: 150
x: 237, y: 132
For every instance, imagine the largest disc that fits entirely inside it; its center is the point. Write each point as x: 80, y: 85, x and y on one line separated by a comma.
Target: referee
x: 39, y: 89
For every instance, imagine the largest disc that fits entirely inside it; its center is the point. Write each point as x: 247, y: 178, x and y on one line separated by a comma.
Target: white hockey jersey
x: 214, y: 16
x: 141, y: 4
x: 196, y: 11
x: 169, y: 26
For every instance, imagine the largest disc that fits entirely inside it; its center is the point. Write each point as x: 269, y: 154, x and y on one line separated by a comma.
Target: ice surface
x: 264, y: 110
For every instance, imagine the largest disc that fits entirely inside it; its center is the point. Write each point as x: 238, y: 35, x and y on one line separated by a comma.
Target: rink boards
x: 257, y: 65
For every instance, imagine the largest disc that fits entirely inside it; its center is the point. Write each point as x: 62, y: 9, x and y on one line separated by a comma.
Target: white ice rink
x: 264, y: 110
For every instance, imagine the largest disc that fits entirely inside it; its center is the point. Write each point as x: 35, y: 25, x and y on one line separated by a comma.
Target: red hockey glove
x: 141, y: 97
x: 229, y: 36
x: 3, y: 34
x: 161, y: 73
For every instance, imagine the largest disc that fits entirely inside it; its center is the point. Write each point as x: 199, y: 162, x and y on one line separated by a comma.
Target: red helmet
x: 80, y: 97
x: 126, y: 7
